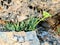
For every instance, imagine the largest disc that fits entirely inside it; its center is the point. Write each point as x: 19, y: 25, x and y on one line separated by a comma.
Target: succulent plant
x: 26, y: 25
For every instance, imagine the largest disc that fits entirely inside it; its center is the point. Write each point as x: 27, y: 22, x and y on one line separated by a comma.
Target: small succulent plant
x: 26, y: 25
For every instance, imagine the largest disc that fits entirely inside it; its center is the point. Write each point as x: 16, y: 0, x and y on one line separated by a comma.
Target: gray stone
x: 21, y: 39
x: 33, y: 38
x: 15, y: 38
x: 30, y: 38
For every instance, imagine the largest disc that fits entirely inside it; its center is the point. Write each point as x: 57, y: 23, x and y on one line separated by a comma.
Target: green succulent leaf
x: 46, y: 14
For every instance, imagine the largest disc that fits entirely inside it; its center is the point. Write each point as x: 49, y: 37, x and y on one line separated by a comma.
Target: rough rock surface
x: 48, y: 37
x: 29, y: 38
x: 16, y: 9
x: 11, y: 9
x: 18, y: 38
